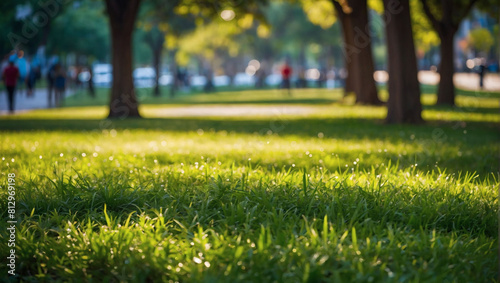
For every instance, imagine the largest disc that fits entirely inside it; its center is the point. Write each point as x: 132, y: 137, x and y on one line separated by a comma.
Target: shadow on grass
x: 344, y: 128
x: 464, y: 110
x: 432, y: 89
x: 427, y: 143
x: 229, y: 96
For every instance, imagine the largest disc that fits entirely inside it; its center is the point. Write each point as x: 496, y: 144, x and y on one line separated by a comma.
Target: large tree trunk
x: 358, y: 51
x: 366, y: 91
x: 404, y: 104
x: 348, y: 41
x: 446, y: 89
x: 122, y: 15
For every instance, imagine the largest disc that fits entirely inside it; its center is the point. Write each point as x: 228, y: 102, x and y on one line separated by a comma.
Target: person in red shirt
x: 10, y: 76
x: 286, y: 73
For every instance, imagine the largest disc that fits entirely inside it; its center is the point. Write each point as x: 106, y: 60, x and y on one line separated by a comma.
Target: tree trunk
x: 347, y: 34
x: 404, y: 104
x: 446, y: 89
x: 156, y: 66
x: 173, y: 72
x: 122, y: 15
x: 363, y: 68
x: 446, y: 27
x: 155, y: 39
x: 358, y: 52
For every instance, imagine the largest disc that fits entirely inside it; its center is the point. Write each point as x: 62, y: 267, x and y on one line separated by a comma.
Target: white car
x: 102, y: 75
x: 243, y: 79
x: 273, y: 80
x: 198, y: 81
x: 166, y: 80
x: 221, y: 81
x: 144, y: 77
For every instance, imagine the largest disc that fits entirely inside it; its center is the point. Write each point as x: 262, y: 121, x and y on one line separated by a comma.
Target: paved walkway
x: 23, y: 103
x: 232, y: 110
x: 468, y: 81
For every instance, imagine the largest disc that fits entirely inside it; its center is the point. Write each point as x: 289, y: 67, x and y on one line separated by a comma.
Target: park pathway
x: 232, y: 110
x: 23, y: 103
x: 467, y: 81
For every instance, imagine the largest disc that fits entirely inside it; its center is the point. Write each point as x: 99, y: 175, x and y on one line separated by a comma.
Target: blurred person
x: 33, y: 75
x: 209, y: 85
x: 23, y: 67
x: 59, y: 84
x: 186, y: 78
x: 482, y: 72
x: 286, y: 73
x: 72, y: 77
x: 493, y: 66
x: 301, y: 82
x: 5, y: 62
x: 50, y: 82
x: 322, y: 78
x: 10, y: 76
x: 260, y: 75
x: 181, y: 78
x: 91, y: 82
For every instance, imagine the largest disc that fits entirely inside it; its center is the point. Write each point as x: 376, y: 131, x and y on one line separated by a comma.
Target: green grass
x: 240, y: 96
x: 332, y: 196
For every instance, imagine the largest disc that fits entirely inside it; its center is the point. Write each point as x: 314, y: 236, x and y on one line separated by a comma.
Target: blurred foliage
x: 305, y: 31
x: 481, y: 39
x: 161, y: 25
x: 425, y: 37
x: 27, y: 25
x: 207, y: 39
x: 320, y: 12
x: 376, y: 5
x: 81, y: 29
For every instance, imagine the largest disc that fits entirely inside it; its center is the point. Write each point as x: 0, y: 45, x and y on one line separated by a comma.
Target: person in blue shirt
x: 59, y: 84
x: 23, y: 67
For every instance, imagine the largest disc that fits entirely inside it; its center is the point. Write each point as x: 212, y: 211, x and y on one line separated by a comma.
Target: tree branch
x: 466, y: 12
x: 338, y: 9
x: 434, y: 22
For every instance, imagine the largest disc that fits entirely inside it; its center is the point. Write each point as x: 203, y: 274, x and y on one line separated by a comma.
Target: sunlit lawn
x: 330, y: 195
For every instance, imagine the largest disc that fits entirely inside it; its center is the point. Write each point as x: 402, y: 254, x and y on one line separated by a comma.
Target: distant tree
x: 445, y: 17
x: 7, y: 23
x: 404, y: 104
x: 27, y: 24
x: 72, y: 31
x: 159, y: 20
x: 481, y: 39
x: 122, y: 18
x: 155, y: 38
x: 211, y: 41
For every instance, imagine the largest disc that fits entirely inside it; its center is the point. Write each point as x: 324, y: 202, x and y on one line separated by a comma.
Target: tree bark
x: 155, y: 40
x: 446, y: 26
x: 358, y: 51
x: 446, y: 89
x: 173, y: 71
x: 122, y: 16
x: 156, y: 66
x: 404, y: 104
x: 345, y: 21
